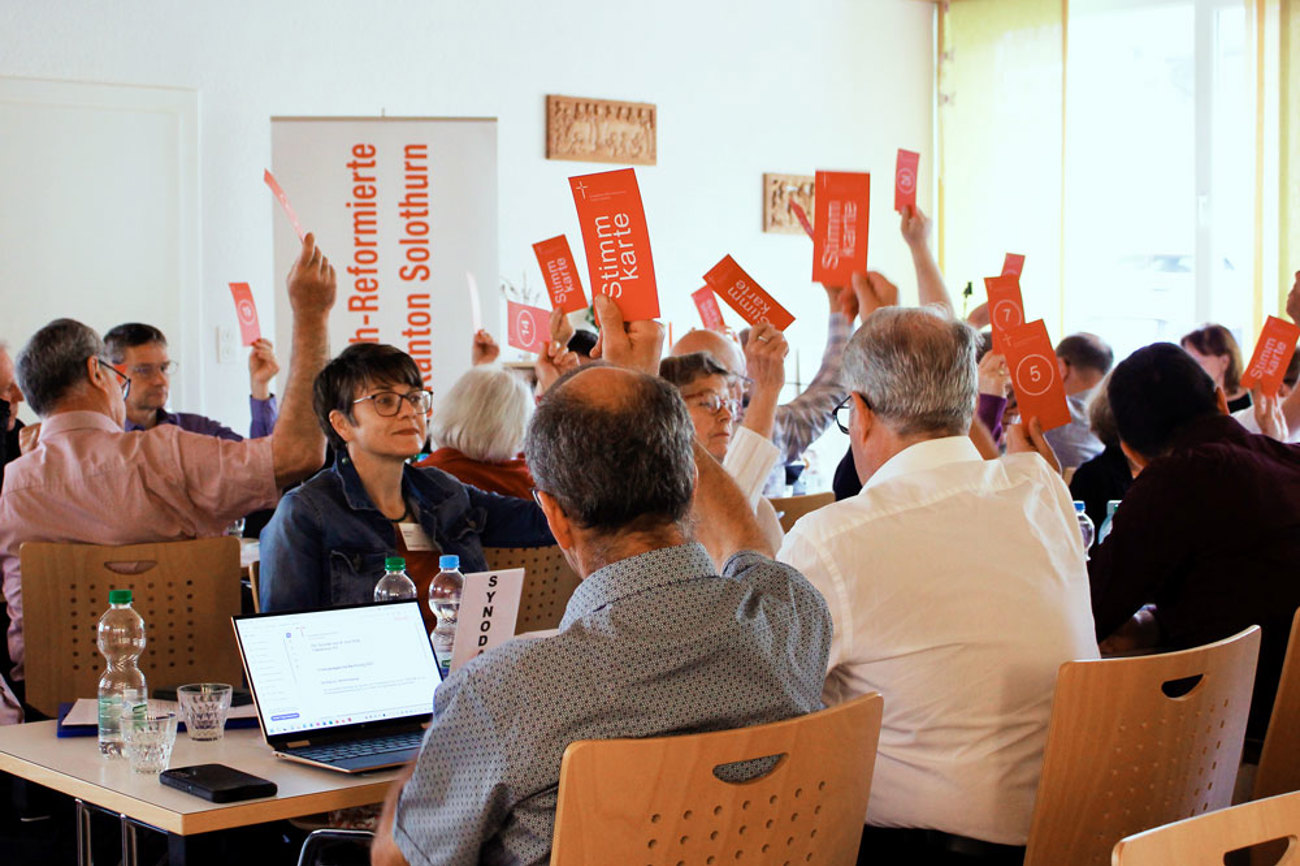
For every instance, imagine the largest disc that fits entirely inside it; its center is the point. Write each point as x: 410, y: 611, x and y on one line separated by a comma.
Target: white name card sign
x: 489, y: 606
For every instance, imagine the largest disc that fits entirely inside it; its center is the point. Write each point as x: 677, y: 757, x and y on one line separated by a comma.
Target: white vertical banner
x: 404, y: 208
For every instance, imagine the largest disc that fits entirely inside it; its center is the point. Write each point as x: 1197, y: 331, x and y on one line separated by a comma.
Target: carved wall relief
x: 778, y: 191
x: 600, y: 130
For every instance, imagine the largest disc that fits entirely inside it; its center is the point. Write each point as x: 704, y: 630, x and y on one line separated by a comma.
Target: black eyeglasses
x: 838, y: 413
x: 123, y: 379
x: 389, y: 403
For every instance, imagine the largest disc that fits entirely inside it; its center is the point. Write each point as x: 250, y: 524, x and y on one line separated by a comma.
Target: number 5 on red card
x: 1036, y: 376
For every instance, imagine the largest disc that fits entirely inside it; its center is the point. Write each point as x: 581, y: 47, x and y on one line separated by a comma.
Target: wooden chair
x: 791, y: 508
x: 658, y: 801
x: 1137, y: 742
x: 1279, y: 760
x: 185, y: 590
x: 548, y: 583
x: 1203, y: 840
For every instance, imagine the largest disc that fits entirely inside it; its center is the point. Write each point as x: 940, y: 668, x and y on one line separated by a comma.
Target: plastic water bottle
x: 444, y: 598
x: 395, y: 585
x: 1085, y: 526
x: 122, y: 688
x: 1111, y: 505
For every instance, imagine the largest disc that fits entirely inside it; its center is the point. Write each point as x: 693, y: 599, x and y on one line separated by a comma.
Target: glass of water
x: 205, y: 706
x: 148, y: 739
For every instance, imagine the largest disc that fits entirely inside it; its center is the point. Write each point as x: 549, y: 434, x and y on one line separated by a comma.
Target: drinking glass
x: 204, y: 707
x: 149, y: 738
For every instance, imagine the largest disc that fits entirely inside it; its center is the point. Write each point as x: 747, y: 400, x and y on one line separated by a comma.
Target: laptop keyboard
x: 328, y: 753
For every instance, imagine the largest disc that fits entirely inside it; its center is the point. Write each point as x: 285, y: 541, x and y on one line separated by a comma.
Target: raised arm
x: 765, y: 360
x: 930, y: 287
x: 297, y: 443
x: 724, y: 523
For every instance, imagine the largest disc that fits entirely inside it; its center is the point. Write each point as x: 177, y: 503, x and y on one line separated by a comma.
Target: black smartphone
x: 218, y: 783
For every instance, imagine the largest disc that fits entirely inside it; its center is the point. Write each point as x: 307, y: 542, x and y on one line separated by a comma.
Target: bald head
x: 724, y: 350
x: 615, y: 448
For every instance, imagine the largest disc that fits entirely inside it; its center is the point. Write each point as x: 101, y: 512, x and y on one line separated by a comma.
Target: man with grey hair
x: 674, y: 629
x: 957, y: 586
x: 89, y: 481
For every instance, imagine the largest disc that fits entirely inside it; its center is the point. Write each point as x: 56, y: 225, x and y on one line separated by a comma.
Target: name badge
x: 414, y: 536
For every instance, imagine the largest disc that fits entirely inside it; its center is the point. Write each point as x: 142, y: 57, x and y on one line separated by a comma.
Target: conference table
x: 74, y: 767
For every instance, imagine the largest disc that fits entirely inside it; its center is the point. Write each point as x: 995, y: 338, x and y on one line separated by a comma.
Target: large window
x: 1159, y: 170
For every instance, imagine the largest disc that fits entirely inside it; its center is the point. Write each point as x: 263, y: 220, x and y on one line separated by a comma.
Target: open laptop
x: 348, y: 688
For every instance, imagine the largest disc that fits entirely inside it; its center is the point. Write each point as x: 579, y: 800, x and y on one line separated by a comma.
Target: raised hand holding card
x: 745, y: 296
x: 1273, y: 351
x: 843, y: 202
x: 562, y: 282
x: 1035, y: 376
x: 617, y: 241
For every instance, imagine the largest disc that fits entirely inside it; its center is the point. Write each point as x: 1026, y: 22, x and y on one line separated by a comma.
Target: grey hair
x: 623, y: 464
x: 54, y: 362
x: 916, y: 368
x: 485, y: 415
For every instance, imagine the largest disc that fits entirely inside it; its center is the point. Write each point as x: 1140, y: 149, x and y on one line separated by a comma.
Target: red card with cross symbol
x: 529, y: 327
x: 560, y: 274
x: 842, y: 203
x: 710, y: 313
x: 617, y: 241
x: 1273, y: 351
x: 745, y: 296
x: 246, y: 311
x: 905, y: 179
x: 1035, y: 375
x: 1006, y: 308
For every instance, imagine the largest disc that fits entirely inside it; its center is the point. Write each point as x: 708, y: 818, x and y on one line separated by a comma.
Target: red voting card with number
x: 617, y: 241
x: 905, y: 179
x: 1006, y: 309
x: 280, y: 196
x: 1273, y: 351
x: 1013, y: 264
x: 249, y: 330
x: 560, y: 274
x: 843, y: 203
x: 745, y: 296
x: 710, y: 313
x: 1040, y: 393
x: 529, y: 327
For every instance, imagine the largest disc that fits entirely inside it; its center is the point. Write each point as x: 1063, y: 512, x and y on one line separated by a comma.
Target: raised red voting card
x: 617, y: 241
x: 560, y: 274
x: 745, y: 296
x: 1273, y: 351
x: 905, y: 179
x: 710, y: 313
x: 1040, y: 393
x: 1013, y: 264
x: 1006, y: 309
x: 284, y: 202
x: 802, y: 216
x: 843, y: 203
x: 249, y: 330
x: 529, y: 327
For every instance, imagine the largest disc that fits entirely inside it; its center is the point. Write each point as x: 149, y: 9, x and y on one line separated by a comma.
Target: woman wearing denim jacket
x: 327, y: 542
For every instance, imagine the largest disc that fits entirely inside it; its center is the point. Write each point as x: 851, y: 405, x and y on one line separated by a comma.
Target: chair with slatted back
x: 1279, y: 760
x: 1203, y: 840
x: 1138, y: 742
x: 186, y: 591
x: 548, y: 583
x: 791, y: 508
x: 658, y: 800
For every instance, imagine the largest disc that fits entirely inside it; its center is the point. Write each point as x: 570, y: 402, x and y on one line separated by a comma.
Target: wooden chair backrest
x: 548, y: 583
x: 658, y: 801
x: 791, y: 508
x: 186, y: 591
x: 1279, y: 760
x: 1124, y: 756
x: 1203, y: 840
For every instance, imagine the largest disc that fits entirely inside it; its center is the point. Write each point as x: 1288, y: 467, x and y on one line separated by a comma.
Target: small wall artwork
x: 600, y: 130
x: 779, y: 190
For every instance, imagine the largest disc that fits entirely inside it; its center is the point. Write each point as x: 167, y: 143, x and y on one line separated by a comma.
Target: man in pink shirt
x: 88, y: 481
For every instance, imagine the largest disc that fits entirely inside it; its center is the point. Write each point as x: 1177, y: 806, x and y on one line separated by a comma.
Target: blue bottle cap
x: 1078, y: 506
x: 449, y: 560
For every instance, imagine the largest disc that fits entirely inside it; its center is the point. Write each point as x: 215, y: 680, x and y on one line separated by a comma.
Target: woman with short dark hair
x: 327, y: 542
x: 1216, y: 350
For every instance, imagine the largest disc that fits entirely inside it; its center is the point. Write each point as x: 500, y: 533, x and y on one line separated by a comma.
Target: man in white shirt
x: 957, y: 587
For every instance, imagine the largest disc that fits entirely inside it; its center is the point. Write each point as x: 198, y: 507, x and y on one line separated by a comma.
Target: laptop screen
x: 338, y: 667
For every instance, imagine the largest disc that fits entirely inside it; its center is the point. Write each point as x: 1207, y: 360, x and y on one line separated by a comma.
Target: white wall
x: 742, y: 88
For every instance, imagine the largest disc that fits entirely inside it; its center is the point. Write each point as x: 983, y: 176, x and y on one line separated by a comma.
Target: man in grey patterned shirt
x: 682, y: 623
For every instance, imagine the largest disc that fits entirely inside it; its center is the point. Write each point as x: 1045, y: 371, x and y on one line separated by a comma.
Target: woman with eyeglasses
x: 327, y: 542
